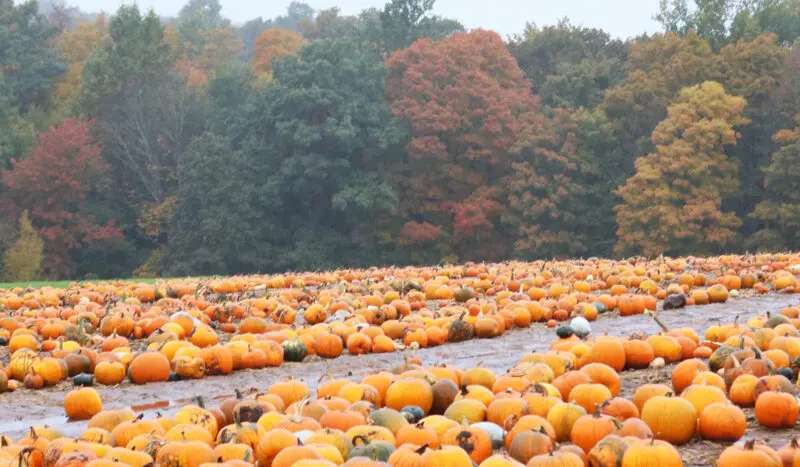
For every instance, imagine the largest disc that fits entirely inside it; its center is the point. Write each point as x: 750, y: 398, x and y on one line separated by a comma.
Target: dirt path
x: 22, y: 409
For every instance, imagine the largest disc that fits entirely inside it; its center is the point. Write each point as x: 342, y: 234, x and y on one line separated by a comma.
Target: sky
x: 620, y: 18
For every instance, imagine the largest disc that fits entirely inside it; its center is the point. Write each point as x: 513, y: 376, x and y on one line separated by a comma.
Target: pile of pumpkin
x: 562, y: 407
x: 185, y: 329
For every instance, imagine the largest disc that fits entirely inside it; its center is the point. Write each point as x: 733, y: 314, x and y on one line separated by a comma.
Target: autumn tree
x: 23, y: 261
x: 271, y: 44
x: 402, y: 22
x: 76, y: 46
x: 657, y: 68
x: 52, y: 183
x: 674, y: 202
x: 560, y: 202
x: 220, y: 50
x: 466, y: 101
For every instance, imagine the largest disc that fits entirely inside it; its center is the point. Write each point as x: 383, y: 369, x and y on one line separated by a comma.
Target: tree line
x: 140, y: 145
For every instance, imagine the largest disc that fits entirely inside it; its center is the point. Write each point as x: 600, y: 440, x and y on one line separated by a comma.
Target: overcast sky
x: 621, y: 18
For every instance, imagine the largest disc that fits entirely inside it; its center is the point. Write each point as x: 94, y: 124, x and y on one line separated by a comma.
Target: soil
x: 24, y: 408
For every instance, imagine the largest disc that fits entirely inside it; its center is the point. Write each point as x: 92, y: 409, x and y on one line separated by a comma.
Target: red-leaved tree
x: 51, y: 183
x: 466, y: 101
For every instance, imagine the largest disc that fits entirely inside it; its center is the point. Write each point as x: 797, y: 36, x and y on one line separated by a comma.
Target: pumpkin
x: 185, y: 454
x: 789, y: 452
x: 475, y: 441
x: 444, y: 393
x: 590, y: 396
x: 608, y: 451
x: 530, y: 443
x: 109, y: 373
x: 197, y: 415
x: 328, y: 345
x: 149, y: 367
x: 528, y: 423
x: 560, y: 458
x: 722, y: 421
x: 467, y: 409
x: 777, y: 409
x: 294, y: 350
x: 410, y: 391
x: 749, y: 454
x: 685, y: 372
x: 289, y: 390
x: 109, y: 419
x: 562, y: 416
x: 672, y: 419
x: 651, y: 452
x: 272, y: 443
x: 702, y: 396
x: 450, y: 456
x: 130, y: 457
x: 387, y: 418
x: 82, y: 404
x: 377, y: 450
x: 417, y: 434
x: 588, y: 430
x: 247, y: 433
x: 460, y: 330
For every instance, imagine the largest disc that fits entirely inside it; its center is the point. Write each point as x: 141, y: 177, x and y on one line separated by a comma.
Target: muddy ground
x: 24, y: 408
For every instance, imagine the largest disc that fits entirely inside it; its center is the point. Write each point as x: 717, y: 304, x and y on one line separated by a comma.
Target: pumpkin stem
x: 658, y: 321
x: 422, y: 449
x: 749, y: 445
x: 363, y: 439
x: 200, y: 402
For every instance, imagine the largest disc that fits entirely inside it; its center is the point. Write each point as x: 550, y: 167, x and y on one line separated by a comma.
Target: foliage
x: 569, y: 66
x: 28, y: 61
x: 271, y: 44
x: 52, y: 183
x: 461, y: 132
x: 778, y: 215
x: 23, y: 261
x: 674, y: 202
x: 76, y: 46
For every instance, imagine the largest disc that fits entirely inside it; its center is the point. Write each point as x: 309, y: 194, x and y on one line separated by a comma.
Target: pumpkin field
x: 686, y: 361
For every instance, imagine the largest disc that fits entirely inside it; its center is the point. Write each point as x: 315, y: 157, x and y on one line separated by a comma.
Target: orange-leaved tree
x: 466, y: 102
x: 674, y: 202
x: 271, y: 44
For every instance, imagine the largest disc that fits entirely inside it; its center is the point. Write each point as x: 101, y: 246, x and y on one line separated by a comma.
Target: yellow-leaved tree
x: 674, y: 202
x: 23, y: 261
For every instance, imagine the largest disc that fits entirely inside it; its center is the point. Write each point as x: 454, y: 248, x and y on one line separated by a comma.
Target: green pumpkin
x: 375, y: 450
x: 460, y: 330
x: 601, y: 307
x: 390, y: 419
x: 83, y: 379
x: 294, y: 350
x: 565, y: 332
x: 717, y: 359
x: 775, y: 320
x: 463, y: 294
x: 412, y: 413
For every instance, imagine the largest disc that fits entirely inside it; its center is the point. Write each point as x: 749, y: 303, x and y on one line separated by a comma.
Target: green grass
x: 62, y: 284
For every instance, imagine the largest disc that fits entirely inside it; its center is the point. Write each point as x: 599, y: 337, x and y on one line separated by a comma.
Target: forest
x: 139, y: 145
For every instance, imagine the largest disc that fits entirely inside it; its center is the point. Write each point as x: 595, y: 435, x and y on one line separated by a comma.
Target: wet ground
x: 24, y: 408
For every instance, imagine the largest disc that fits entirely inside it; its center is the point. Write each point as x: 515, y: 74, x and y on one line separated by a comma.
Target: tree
x: 657, y: 69
x: 196, y: 20
x: 23, y: 261
x: 561, y: 201
x: 318, y: 143
x: 674, y: 202
x: 754, y: 70
x: 220, y: 50
x: 402, y: 22
x: 28, y: 61
x: 136, y: 48
x: 52, y: 183
x: 18, y: 134
x: 466, y: 101
x: 76, y: 46
x: 271, y: 44
x: 329, y: 24
x: 778, y: 214
x: 569, y: 66
x: 210, y: 231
